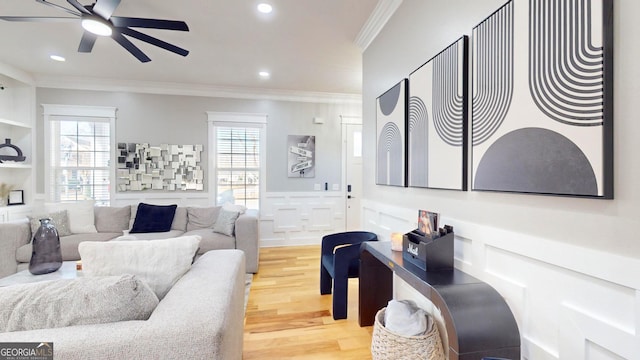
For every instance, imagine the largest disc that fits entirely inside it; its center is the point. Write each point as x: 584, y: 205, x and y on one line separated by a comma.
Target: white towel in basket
x: 405, y: 318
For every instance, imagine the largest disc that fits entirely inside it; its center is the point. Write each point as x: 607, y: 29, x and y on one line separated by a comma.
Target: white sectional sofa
x: 201, y: 317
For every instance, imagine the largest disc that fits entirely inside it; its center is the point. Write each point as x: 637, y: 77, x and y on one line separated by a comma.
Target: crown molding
x: 170, y: 88
x: 15, y: 73
x: 378, y: 19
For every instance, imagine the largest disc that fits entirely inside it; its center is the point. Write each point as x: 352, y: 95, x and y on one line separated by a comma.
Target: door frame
x: 344, y: 121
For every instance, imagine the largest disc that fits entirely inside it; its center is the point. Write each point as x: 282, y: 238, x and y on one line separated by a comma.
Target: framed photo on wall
x: 301, y: 156
x: 438, y: 114
x: 542, y: 107
x: 16, y: 197
x: 391, y: 144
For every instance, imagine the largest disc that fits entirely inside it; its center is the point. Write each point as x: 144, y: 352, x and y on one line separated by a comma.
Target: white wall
x: 177, y: 119
x: 565, y: 265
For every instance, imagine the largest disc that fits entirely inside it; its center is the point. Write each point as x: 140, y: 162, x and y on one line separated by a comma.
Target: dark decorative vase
x: 46, y: 256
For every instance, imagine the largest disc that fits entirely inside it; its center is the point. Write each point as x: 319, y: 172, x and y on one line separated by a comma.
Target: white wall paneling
x: 570, y: 302
x: 300, y: 218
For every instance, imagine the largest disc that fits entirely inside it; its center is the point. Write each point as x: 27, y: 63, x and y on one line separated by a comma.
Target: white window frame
x: 108, y: 113
x: 242, y: 120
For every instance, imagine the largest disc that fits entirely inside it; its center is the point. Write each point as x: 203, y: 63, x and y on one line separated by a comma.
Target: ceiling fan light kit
x: 97, y: 20
x: 94, y: 25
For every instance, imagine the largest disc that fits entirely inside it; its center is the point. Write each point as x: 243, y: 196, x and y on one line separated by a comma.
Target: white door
x: 353, y: 174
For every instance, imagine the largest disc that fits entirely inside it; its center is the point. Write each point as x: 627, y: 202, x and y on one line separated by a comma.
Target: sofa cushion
x: 226, y: 222
x: 60, y: 303
x: 112, y: 219
x: 180, y: 219
x: 81, y: 220
x: 202, y: 217
x: 160, y: 263
x: 210, y: 240
x: 59, y: 219
x: 153, y: 218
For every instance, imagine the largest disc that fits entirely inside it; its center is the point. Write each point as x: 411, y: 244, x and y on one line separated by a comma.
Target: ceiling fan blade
x: 154, y: 41
x: 125, y: 43
x: 105, y: 8
x: 79, y: 7
x: 124, y: 22
x: 38, y: 18
x: 45, y: 2
x: 87, y: 41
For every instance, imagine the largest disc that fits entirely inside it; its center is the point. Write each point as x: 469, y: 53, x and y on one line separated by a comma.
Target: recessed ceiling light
x: 265, y: 8
x: 264, y: 74
x: 57, y: 58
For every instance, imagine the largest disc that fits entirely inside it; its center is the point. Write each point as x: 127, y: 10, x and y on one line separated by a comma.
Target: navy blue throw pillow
x: 153, y: 218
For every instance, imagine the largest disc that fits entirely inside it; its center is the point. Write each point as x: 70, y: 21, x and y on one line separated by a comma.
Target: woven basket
x: 386, y: 345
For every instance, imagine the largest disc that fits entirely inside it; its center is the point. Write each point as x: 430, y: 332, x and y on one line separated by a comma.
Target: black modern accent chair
x: 340, y: 260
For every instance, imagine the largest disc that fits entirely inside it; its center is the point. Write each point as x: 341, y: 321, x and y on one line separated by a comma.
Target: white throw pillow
x: 241, y: 209
x: 159, y: 263
x: 81, y: 217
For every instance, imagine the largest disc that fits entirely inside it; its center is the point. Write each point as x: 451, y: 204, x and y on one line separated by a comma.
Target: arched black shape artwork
x: 543, y: 98
x: 391, y: 121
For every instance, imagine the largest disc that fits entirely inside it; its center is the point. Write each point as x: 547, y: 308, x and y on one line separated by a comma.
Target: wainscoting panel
x: 300, y: 218
x: 569, y: 302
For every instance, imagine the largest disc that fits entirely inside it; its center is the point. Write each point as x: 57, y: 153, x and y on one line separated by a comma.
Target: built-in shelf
x: 17, y: 123
x: 15, y: 166
x: 14, y: 123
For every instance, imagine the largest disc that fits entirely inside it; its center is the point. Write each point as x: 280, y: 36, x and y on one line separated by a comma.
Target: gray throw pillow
x: 226, y: 222
x: 59, y: 219
x: 81, y: 301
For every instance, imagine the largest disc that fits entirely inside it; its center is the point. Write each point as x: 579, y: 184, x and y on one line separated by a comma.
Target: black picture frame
x: 437, y: 129
x: 542, y: 103
x: 391, y: 136
x: 15, y: 197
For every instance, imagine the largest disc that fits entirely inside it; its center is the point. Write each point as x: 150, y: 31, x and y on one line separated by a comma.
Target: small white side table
x: 66, y: 271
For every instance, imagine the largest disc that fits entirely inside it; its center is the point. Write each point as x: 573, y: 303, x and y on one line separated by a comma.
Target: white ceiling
x: 306, y: 45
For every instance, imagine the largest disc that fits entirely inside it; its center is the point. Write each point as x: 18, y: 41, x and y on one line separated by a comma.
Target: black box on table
x: 427, y: 253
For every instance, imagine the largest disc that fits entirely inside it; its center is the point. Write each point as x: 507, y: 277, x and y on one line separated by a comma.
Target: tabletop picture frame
x: 16, y: 197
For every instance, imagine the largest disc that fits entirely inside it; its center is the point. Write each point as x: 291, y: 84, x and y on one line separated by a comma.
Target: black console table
x: 478, y: 321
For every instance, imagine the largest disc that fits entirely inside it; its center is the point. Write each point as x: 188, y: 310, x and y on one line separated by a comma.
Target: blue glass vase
x: 45, y: 256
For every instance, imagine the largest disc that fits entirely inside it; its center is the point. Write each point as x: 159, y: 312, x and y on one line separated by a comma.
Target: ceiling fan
x: 97, y: 20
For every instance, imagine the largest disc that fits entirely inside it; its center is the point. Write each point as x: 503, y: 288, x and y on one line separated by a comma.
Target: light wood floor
x: 287, y: 318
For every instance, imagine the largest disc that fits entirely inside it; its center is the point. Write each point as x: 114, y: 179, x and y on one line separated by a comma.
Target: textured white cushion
x: 81, y: 220
x: 160, y: 263
x: 68, y: 302
x: 59, y: 219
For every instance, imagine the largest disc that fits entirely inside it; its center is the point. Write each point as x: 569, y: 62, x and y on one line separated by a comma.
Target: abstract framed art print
x: 391, y: 124
x: 542, y: 98
x: 437, y: 126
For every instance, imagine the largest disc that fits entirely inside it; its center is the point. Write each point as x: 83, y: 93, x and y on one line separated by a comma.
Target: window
x: 237, y: 152
x: 79, y: 152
